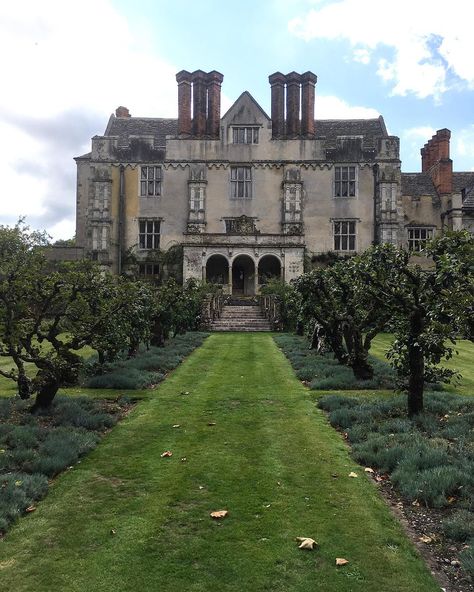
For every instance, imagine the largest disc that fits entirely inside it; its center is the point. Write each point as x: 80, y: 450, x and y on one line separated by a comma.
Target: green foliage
x: 34, y: 448
x: 288, y: 301
x: 425, y: 463
x: 459, y: 526
x: 147, y: 368
x: 467, y: 558
x: 324, y: 372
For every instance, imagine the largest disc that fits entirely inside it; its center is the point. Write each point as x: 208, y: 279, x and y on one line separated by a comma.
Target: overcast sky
x: 67, y: 65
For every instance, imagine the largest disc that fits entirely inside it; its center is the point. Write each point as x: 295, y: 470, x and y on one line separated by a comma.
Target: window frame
x: 149, y: 234
x: 344, y: 237
x: 348, y: 180
x: 146, y: 181
x: 243, y: 185
x: 416, y: 244
x: 248, y: 135
x: 144, y: 266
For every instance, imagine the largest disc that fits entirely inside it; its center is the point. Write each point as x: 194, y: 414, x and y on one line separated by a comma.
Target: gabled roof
x: 368, y: 128
x: 245, y: 97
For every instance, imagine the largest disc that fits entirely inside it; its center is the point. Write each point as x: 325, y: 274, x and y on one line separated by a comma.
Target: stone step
x: 246, y: 318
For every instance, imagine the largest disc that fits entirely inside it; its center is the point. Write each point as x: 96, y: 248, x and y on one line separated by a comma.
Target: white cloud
x: 66, y: 72
x: 463, y: 144
x: 422, y: 47
x: 329, y: 107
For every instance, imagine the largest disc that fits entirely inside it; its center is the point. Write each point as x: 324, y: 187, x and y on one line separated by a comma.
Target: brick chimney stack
x: 214, y: 81
x: 203, y: 91
x: 436, y: 162
x: 183, y: 79
x: 300, y: 91
x: 199, y: 79
x: 293, y: 97
x: 308, y: 82
x: 122, y: 112
x: 277, y: 82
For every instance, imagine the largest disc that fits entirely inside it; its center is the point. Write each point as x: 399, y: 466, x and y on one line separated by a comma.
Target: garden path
x: 245, y: 436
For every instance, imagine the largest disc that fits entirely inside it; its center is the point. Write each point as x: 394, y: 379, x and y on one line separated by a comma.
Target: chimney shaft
x: 122, y: 112
x: 277, y: 82
x: 293, y: 81
x: 183, y: 79
x: 214, y: 81
x: 436, y: 162
x: 199, y: 103
x: 308, y: 80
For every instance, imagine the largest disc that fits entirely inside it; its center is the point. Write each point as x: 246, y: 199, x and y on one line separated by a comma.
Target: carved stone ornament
x: 244, y: 225
x: 194, y: 228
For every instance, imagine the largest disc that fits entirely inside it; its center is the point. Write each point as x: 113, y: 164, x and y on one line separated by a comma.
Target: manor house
x: 248, y: 195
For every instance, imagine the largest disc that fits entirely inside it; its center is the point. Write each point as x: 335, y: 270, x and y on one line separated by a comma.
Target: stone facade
x: 247, y: 196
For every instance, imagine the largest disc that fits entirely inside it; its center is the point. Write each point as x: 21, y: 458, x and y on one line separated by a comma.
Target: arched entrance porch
x: 217, y: 270
x: 243, y: 276
x: 269, y: 267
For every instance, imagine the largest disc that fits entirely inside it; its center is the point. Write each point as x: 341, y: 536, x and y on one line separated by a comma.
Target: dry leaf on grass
x: 369, y: 470
x: 166, y: 453
x: 30, y: 509
x: 218, y: 514
x: 306, y: 543
x: 113, y: 531
x: 176, y: 425
x: 352, y: 474
x: 341, y: 561
x: 426, y: 539
x: 211, y: 423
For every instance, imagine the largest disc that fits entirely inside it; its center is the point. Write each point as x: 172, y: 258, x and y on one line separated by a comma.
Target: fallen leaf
x: 201, y: 487
x: 211, y: 423
x: 18, y: 483
x: 185, y: 392
x: 415, y: 503
x: 176, y: 425
x: 426, y: 539
x: 166, y: 453
x: 113, y: 531
x: 306, y: 543
x: 30, y: 509
x: 451, y: 500
x: 218, y: 514
x: 341, y: 561
x: 369, y: 470
x: 352, y: 474
x: 184, y: 459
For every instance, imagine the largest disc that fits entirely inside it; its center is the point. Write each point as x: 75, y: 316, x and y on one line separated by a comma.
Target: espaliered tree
x: 427, y: 306
x: 48, y: 314
x: 333, y: 297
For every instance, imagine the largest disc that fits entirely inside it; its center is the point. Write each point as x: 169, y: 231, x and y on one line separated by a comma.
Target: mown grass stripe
x: 270, y: 460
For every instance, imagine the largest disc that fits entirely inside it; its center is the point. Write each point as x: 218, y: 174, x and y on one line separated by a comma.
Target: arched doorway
x: 269, y: 267
x: 217, y: 270
x: 243, y: 276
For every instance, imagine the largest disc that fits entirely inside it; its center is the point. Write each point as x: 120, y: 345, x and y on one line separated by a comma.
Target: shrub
x: 467, y: 559
x: 459, y: 526
x: 147, y: 368
x: 19, y: 491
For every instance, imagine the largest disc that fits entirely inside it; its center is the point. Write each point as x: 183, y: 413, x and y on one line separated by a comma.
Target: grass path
x: 270, y: 459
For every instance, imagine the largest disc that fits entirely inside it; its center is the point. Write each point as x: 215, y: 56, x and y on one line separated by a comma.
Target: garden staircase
x: 241, y: 315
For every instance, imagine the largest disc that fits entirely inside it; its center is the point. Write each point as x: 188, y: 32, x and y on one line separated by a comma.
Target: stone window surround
x: 347, y: 234
x: 245, y: 134
x: 417, y: 236
x: 241, y: 181
x: 150, y: 187
x: 149, y: 235
x: 338, y: 188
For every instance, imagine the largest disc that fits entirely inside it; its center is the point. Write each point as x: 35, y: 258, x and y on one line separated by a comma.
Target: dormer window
x: 245, y: 135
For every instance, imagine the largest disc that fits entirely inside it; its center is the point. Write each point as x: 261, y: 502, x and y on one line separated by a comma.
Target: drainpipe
x: 376, y: 238
x: 121, y: 220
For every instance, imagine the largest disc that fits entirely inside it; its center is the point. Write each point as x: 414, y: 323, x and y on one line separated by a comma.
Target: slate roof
x: 124, y: 127
x: 463, y: 181
x: 416, y: 184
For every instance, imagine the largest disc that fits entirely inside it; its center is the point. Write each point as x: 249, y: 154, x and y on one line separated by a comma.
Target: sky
x: 67, y: 65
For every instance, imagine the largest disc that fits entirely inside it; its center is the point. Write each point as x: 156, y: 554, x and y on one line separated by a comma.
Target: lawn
x: 462, y: 362
x: 245, y: 436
